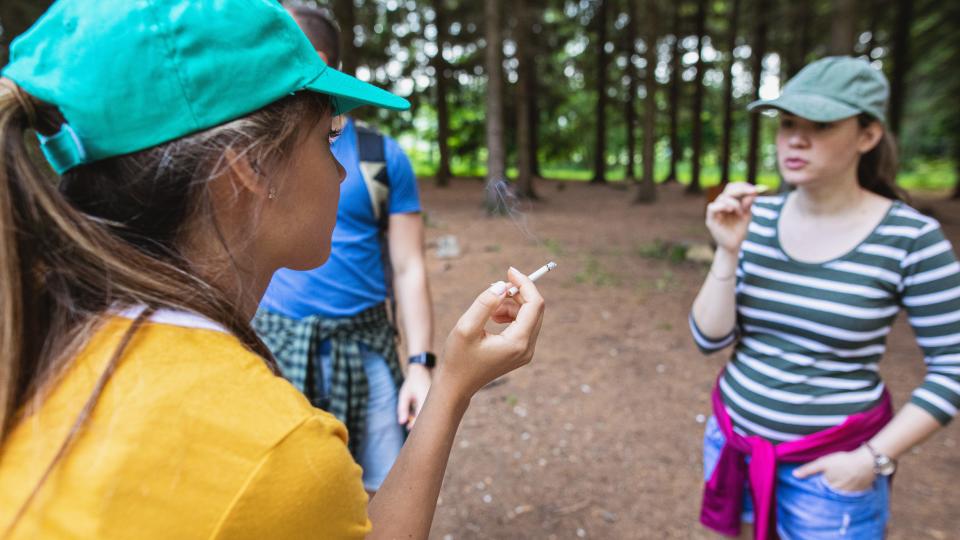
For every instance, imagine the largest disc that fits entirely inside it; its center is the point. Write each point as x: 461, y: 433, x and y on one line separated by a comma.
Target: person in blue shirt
x: 332, y: 328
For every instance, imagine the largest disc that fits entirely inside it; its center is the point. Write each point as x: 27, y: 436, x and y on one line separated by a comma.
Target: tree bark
x: 843, y: 27
x: 647, y: 191
x: 525, y: 188
x: 600, y: 150
x: 728, y: 93
x: 901, y: 63
x: 443, y: 117
x: 802, y: 14
x: 347, y: 15
x: 759, y: 51
x: 496, y: 168
x: 674, y: 98
x: 701, y: 29
x: 630, y: 47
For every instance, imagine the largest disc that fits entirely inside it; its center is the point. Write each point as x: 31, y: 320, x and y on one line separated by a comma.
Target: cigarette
x: 540, y: 272
x: 757, y: 190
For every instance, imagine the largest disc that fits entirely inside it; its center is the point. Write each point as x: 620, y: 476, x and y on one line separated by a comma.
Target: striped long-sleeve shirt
x: 809, y: 336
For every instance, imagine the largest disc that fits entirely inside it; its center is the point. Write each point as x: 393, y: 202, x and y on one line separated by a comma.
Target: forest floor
x: 600, y: 436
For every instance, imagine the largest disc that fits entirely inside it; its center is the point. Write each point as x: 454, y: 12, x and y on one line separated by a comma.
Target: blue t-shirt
x: 352, y: 280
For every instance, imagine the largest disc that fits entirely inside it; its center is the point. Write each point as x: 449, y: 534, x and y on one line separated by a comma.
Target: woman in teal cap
x: 190, y: 142
x: 806, y: 285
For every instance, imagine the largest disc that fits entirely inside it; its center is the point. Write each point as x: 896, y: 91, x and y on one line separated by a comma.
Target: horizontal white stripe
x: 945, y: 382
x: 784, y: 418
x: 816, y: 346
x: 801, y: 360
x: 762, y: 431
x: 932, y: 275
x: 939, y: 341
x: 755, y: 228
x: 898, y: 230
x: 883, y: 251
x: 935, y: 320
x: 765, y: 213
x: 814, y: 283
x: 912, y: 213
x: 926, y: 253
x: 833, y: 308
x: 865, y: 270
x: 932, y: 298
x: 803, y: 399
x: 945, y: 370
x: 707, y: 343
x: 822, y: 329
x: 943, y: 359
x: 935, y: 400
x: 765, y: 251
x: 793, y: 378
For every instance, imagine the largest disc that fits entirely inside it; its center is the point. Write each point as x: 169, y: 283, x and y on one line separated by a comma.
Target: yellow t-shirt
x: 193, y: 437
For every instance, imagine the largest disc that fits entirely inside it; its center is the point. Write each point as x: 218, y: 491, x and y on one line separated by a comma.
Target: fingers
x: 739, y: 189
x: 814, y: 467
x: 403, y: 408
x: 506, y: 312
x: 472, y: 321
x: 529, y: 316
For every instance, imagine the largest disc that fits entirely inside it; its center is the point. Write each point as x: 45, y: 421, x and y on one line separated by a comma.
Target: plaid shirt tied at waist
x: 296, y: 343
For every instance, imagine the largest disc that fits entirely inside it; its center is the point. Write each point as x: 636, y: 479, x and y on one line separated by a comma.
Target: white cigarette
x: 534, y: 276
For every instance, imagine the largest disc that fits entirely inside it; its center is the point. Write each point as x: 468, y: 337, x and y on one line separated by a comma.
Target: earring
x: 272, y: 194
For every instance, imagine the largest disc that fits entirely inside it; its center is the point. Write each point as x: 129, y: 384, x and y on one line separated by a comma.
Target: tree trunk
x: 759, y: 51
x: 600, y: 151
x: 675, y: 82
x: 443, y: 116
x: 496, y: 169
x: 647, y: 191
x: 701, y: 29
x: 524, y: 129
x: 843, y: 26
x: 802, y: 14
x: 901, y: 63
x: 346, y: 13
x: 630, y: 47
x: 728, y: 94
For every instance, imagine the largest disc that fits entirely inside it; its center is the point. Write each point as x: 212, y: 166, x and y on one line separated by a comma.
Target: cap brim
x: 810, y: 106
x: 349, y: 92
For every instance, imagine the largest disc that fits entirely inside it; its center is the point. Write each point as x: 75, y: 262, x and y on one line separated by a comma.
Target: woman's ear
x: 870, y: 136
x: 245, y: 175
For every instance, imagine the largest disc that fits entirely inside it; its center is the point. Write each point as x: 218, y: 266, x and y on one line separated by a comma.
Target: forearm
x: 405, y: 504
x: 715, y: 308
x: 910, y: 427
x: 415, y: 306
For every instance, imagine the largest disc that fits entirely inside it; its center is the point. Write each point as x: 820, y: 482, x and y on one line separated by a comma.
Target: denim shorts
x: 810, y: 508
x: 383, y: 437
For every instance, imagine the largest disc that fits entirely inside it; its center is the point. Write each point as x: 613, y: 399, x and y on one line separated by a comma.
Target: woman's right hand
x: 473, y: 357
x: 728, y: 216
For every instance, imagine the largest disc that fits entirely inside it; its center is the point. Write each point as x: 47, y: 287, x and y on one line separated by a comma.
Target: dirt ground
x: 600, y: 436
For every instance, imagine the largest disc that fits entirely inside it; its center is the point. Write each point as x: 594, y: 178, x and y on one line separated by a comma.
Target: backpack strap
x: 373, y: 165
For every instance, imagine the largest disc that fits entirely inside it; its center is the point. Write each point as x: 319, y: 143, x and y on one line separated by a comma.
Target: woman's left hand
x: 845, y: 471
x: 413, y: 394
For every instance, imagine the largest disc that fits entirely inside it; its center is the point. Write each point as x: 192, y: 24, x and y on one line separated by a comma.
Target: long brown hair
x: 110, y: 234
x: 877, y: 170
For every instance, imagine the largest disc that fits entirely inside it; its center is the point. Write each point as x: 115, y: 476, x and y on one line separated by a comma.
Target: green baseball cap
x: 832, y: 89
x: 131, y: 74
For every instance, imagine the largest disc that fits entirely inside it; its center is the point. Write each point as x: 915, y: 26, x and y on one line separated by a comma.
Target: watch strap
x: 426, y: 359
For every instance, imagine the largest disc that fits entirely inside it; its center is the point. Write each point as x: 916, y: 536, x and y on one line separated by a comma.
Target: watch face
x: 885, y: 465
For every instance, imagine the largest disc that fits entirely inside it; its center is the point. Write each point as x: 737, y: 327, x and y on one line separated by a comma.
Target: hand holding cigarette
x: 539, y: 273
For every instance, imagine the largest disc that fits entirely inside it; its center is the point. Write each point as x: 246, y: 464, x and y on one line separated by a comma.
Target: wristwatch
x: 882, y: 463
x: 425, y: 359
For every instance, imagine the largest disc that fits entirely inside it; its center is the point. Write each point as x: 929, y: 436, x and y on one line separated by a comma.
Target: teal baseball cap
x: 832, y: 89
x: 131, y: 74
